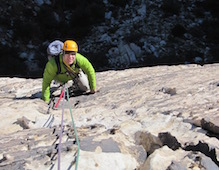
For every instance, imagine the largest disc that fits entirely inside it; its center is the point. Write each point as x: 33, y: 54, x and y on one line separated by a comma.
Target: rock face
x: 113, y: 35
x: 163, y: 117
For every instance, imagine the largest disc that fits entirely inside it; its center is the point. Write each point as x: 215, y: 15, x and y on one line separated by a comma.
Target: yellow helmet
x: 70, y: 45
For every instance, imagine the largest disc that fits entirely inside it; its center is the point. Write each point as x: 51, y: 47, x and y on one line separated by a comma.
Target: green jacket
x: 51, y: 70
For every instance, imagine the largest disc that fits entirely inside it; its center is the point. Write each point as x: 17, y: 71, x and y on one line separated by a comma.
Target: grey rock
x: 127, y: 124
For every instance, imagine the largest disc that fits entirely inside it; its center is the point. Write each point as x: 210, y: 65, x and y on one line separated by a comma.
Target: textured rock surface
x: 164, y: 117
x: 111, y: 34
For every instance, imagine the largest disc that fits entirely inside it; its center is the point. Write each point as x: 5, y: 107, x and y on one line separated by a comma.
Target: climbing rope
x: 75, y: 131
x: 60, y: 136
x: 63, y: 90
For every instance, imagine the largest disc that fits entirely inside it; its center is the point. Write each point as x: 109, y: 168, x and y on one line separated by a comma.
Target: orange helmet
x: 70, y: 45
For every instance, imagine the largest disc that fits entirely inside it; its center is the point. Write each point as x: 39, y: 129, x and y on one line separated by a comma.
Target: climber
x: 70, y: 65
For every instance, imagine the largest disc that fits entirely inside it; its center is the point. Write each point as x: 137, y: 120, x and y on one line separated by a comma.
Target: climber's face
x: 69, y: 57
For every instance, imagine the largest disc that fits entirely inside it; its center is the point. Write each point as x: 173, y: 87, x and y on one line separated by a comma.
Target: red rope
x: 60, y: 97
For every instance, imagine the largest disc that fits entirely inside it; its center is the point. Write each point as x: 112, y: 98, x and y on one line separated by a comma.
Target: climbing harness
x: 62, y: 96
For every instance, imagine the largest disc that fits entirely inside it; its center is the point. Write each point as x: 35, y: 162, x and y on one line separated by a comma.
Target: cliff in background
x: 112, y: 34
